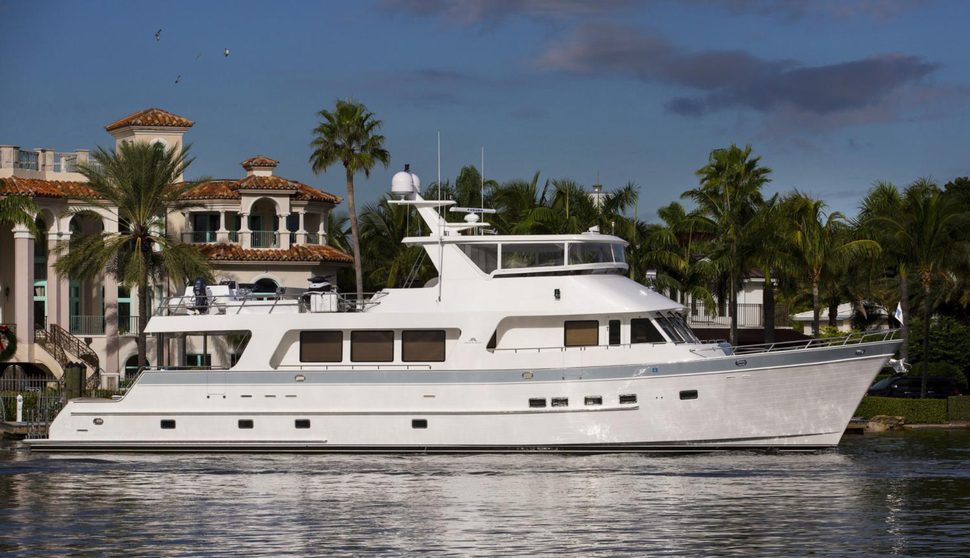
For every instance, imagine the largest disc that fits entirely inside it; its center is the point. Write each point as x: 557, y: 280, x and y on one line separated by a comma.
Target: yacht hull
x: 785, y: 401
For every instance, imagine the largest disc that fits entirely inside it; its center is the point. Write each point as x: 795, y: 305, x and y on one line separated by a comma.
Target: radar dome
x: 405, y: 183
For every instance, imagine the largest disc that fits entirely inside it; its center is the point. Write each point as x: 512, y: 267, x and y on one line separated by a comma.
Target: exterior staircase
x: 67, y: 349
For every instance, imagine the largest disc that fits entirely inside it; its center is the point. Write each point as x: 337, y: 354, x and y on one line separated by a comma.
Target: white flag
x: 899, y: 312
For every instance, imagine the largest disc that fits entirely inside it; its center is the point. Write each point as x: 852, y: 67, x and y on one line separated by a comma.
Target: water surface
x: 880, y: 495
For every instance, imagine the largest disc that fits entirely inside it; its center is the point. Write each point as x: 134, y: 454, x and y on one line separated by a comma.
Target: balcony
x: 199, y: 237
x: 264, y: 239
x: 87, y: 325
x: 128, y: 325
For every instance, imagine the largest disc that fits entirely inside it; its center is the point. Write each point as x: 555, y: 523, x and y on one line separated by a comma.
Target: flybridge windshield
x: 516, y: 256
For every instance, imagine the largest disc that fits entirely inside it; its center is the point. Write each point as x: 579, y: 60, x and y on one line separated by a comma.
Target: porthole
x: 594, y: 400
x: 99, y: 421
x: 628, y: 399
x: 245, y: 424
x: 688, y: 394
x: 537, y: 403
x: 560, y: 401
x: 168, y: 424
x: 419, y: 423
x: 301, y: 423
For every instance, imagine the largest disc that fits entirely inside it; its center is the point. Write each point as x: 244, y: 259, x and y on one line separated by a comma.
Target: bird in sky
x: 158, y: 35
x: 197, y: 56
x: 226, y: 52
x: 179, y: 78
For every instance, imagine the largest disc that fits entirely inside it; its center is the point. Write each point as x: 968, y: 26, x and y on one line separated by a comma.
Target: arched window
x: 131, y: 366
x: 265, y: 286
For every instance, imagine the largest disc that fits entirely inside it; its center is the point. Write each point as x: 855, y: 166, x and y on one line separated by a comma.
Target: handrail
x: 234, y: 304
x: 62, y: 338
x: 814, y: 343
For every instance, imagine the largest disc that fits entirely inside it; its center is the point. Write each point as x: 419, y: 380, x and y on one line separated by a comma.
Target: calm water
x: 887, y: 495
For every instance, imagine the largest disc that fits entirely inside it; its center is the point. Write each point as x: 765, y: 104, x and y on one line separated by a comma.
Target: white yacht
x: 522, y: 343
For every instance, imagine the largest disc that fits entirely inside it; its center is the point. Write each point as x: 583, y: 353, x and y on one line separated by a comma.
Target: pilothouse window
x: 485, y: 256
x: 642, y: 330
x: 532, y: 255
x: 590, y: 253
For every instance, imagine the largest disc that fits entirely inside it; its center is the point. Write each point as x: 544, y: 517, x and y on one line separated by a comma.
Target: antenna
x: 439, y: 169
x: 482, y: 198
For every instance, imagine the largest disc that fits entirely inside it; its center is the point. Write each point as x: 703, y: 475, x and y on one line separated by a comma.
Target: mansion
x: 258, y: 229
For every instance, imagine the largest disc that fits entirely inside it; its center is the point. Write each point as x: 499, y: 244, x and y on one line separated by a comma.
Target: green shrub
x: 915, y: 411
x: 958, y: 408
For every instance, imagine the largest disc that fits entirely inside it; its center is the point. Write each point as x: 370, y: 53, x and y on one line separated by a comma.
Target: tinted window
x: 372, y: 346
x: 321, y: 346
x: 642, y: 330
x: 614, y: 332
x: 587, y: 253
x: 669, y: 329
x: 581, y: 333
x: 485, y: 256
x: 423, y: 346
x: 531, y: 255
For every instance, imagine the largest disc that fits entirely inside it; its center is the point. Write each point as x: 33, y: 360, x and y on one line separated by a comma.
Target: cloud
x: 481, y: 12
x: 863, y: 90
x: 827, y: 9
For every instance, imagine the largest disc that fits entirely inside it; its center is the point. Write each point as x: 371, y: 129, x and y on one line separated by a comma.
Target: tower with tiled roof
x: 152, y: 125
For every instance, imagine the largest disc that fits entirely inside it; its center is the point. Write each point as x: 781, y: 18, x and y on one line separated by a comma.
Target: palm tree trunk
x: 355, y: 238
x: 904, y: 304
x: 768, y: 310
x: 733, y: 298
x: 816, y: 309
x: 833, y: 313
x: 143, y: 322
x: 926, y: 336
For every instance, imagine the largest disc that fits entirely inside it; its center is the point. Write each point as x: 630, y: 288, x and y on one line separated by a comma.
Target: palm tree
x: 727, y: 199
x: 18, y: 210
x: 821, y: 243
x: 136, y: 185
x: 515, y: 202
x: 382, y: 228
x: 348, y: 135
x: 884, y: 203
x: 772, y: 256
x: 925, y: 234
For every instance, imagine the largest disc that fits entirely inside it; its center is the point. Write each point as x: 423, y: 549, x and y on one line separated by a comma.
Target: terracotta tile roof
x: 151, y: 117
x: 45, y: 188
x: 259, y: 161
x: 299, y: 253
x: 228, y: 189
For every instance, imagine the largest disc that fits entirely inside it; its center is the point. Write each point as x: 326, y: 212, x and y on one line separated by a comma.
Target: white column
x: 187, y: 228
x: 222, y: 235
x: 245, y: 239
x: 23, y: 291
x: 64, y: 293
x: 112, y: 340
x: 283, y: 233
x: 301, y: 227
x: 53, y: 281
x: 322, y: 228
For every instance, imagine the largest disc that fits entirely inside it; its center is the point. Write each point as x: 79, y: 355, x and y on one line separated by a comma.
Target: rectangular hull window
x: 302, y: 423
x: 168, y: 425
x: 688, y: 394
x: 246, y: 424
x: 321, y: 346
x: 642, y: 330
x: 582, y: 333
x: 628, y: 399
x: 423, y: 346
x: 594, y: 400
x: 537, y: 403
x: 560, y: 401
x: 372, y: 346
x: 419, y: 423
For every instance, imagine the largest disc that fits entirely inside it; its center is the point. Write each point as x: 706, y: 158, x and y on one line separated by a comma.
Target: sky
x: 832, y: 95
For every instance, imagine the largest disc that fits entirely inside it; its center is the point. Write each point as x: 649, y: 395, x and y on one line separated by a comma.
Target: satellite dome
x: 405, y: 183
